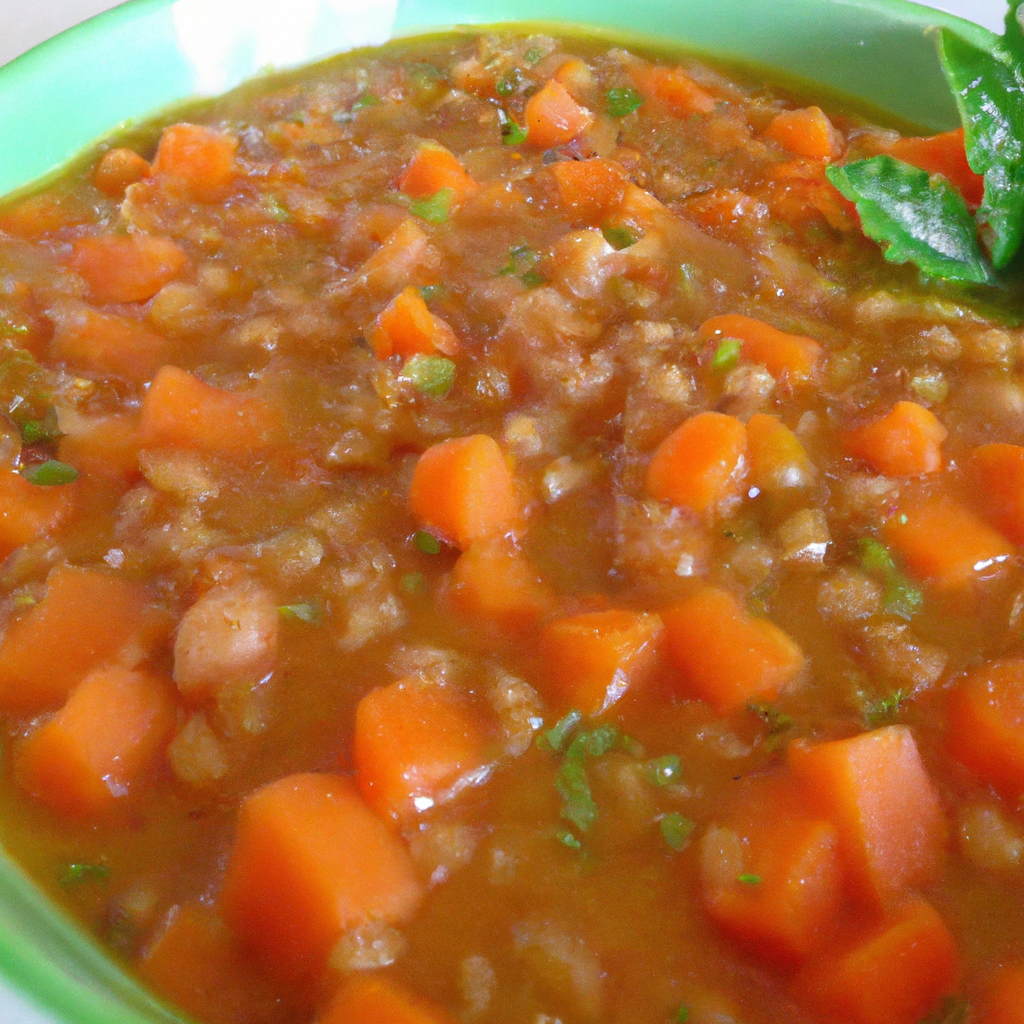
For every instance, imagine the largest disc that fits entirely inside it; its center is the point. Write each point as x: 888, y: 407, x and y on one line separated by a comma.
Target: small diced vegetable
x: 127, y: 268
x: 784, y: 356
x: 108, y: 344
x: 591, y: 189
x: 101, y: 446
x: 406, y: 327
x: 310, y: 861
x: 27, y: 511
x: 876, y: 791
x: 905, y: 442
x: 368, y: 999
x: 673, y: 87
x: 893, y: 973
x: 433, y: 168
x: 118, y: 168
x: 553, y: 117
x: 724, y: 655
x: 416, y: 744
x: 701, y: 464
x: 197, y: 160
x: 495, y: 584
x: 999, y: 471
x: 942, y: 154
x: 778, y: 459
x: 86, y: 619
x: 806, y: 132
x: 591, y: 660
x: 986, y: 725
x: 398, y: 258
x: 462, y: 491
x: 97, y: 749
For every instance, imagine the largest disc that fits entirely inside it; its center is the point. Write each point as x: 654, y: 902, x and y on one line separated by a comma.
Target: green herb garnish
x: 727, y: 355
x: 534, y: 55
x: 432, y: 291
x: 885, y: 709
x: 746, y: 879
x: 522, y: 262
x: 682, y: 1014
x: 52, y: 474
x: 76, y: 874
x: 512, y: 133
x: 676, y: 829
x: 413, y: 583
x: 901, y: 597
x: 426, y: 542
x: 507, y: 84
x: 434, y: 209
x: 578, y: 804
x: 366, y: 100
x: 430, y: 375
x: 42, y: 431
x: 555, y: 738
x: 620, y: 102
x: 569, y: 839
x: 664, y: 771
x: 277, y: 209
x: 620, y: 237
x: 306, y: 611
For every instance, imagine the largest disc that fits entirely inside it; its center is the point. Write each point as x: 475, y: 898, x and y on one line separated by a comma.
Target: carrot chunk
x: 494, y: 584
x: 367, y: 999
x: 406, y: 326
x: 701, y: 464
x: 108, y: 344
x: 986, y: 725
x: 28, y: 511
x: 99, y: 746
x: 102, y: 446
x: 462, y: 491
x: 784, y: 356
x: 944, y: 544
x: 117, y: 169
x: 724, y: 655
x: 433, y: 168
x: 673, y: 87
x: 893, y: 974
x: 905, y: 442
x: 86, y: 619
x: 399, y: 257
x: 127, y: 268
x: 943, y: 154
x: 1004, y: 1001
x: 181, y: 411
x: 591, y: 189
x: 806, y: 132
x: 778, y: 460
x: 591, y: 660
x: 310, y: 861
x: 416, y: 744
x: 553, y: 117
x: 999, y: 471
x: 876, y: 791
x: 198, y: 160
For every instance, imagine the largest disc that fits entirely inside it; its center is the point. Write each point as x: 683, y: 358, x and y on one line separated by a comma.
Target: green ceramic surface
x: 148, y: 54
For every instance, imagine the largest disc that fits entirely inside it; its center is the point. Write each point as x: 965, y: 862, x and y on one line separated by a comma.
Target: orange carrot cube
x: 905, y: 442
x: 127, y: 268
x: 494, y: 584
x: 199, y: 161
x: 807, y: 132
x: 785, y: 356
x: 370, y: 999
x: 27, y: 511
x: 102, y: 446
x: 672, y: 87
x: 553, y: 117
x: 943, y: 154
x: 433, y: 168
x: 778, y: 459
x: 999, y: 471
x: 117, y: 169
x: 590, y: 189
x: 107, y: 344
x: 406, y: 326
x: 404, y: 251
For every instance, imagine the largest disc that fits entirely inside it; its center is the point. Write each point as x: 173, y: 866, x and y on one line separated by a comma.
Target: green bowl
x: 148, y: 54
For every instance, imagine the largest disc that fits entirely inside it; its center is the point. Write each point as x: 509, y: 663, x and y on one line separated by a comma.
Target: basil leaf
x: 621, y: 102
x: 918, y: 219
x: 573, y: 787
x: 989, y: 93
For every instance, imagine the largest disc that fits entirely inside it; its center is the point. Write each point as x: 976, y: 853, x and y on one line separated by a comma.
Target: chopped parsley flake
x: 76, y: 874
x: 430, y: 375
x: 434, y: 209
x: 727, y: 355
x: 570, y: 839
x: 306, y: 611
x: 663, y: 771
x: 366, y: 100
x: 621, y: 102
x: 432, y: 291
x: 512, y: 133
x: 42, y: 431
x: 534, y: 55
x: 426, y: 542
x: 413, y: 583
x: 676, y: 829
x: 901, y: 597
x: 555, y: 737
x: 746, y: 879
x: 619, y: 237
x: 52, y: 474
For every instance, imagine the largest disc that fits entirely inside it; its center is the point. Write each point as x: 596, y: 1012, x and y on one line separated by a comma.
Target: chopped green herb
x: 682, y: 1014
x: 507, y: 84
x: 520, y: 259
x: 578, y: 804
x: 595, y: 742
x: 52, y: 474
x: 901, y: 597
x: 366, y: 100
x: 619, y: 237
x: 555, y: 737
x: 24, y: 601
x: 534, y: 55
x: 424, y: 75
x: 413, y: 583
x: 884, y: 709
x: 621, y: 102
x: 306, y: 611
x: 436, y: 208
x: 533, y: 279
x: 777, y: 721
x: 44, y: 431
x: 76, y: 874
x: 277, y: 209
x: 9, y: 329
x: 746, y: 879
x: 676, y: 829
x: 430, y: 375
x: 663, y: 771
x: 426, y: 542
x: 512, y: 133
x: 727, y: 355
x: 570, y: 839
x: 432, y: 291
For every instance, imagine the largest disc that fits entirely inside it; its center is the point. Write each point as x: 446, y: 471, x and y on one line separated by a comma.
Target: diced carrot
x: 944, y: 544
x: 638, y: 208
x: 591, y: 660
x: 97, y: 749
x: 724, y: 655
x: 102, y: 446
x: 181, y: 411
x: 28, y: 511
x: 784, y: 356
x: 117, y: 169
x: 591, y: 189
x: 86, y: 619
x: 943, y: 154
x: 42, y: 215
x: 985, y: 716
x: 1004, y: 1000
x: 673, y: 87
x: 701, y: 464
x: 553, y: 117
x: 906, y: 441
x: 876, y: 791
x: 999, y: 471
x: 310, y: 861
x: 369, y: 999
x: 198, y: 160
x: 895, y: 973
x: 495, y: 584
x: 778, y: 459
x: 576, y: 77
x: 416, y: 744
x: 406, y: 326
x: 402, y: 253
x: 779, y: 900
x: 433, y: 168
x: 806, y: 132
x: 108, y: 344
x: 462, y: 491
x: 127, y: 268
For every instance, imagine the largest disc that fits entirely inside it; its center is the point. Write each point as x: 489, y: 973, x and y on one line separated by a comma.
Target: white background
x: 23, y: 23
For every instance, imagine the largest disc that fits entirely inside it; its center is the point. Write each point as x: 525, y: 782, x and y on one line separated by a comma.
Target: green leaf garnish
x: 512, y: 133
x: 902, y: 598
x: 425, y: 75
x: 578, y: 804
x: 366, y: 100
x: 594, y: 742
x: 534, y: 55
x: 664, y: 771
x: 522, y: 262
x: 507, y: 84
x: 676, y: 830
x: 916, y: 218
x: 885, y: 709
x: 434, y: 209
x: 555, y: 737
x: 52, y: 474
x: 746, y: 879
x: 989, y: 91
x: 76, y: 874
x: 426, y: 542
x: 306, y: 611
x: 43, y: 431
x: 776, y: 720
x: 430, y: 375
x: 619, y: 237
x: 621, y: 102
x: 682, y: 1014
x: 277, y: 209
x: 727, y: 355
x: 413, y: 583
x: 570, y: 839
